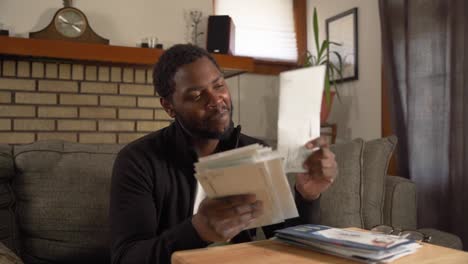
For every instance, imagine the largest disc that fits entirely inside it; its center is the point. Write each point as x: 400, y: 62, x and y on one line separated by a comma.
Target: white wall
x: 360, y: 113
x: 124, y: 22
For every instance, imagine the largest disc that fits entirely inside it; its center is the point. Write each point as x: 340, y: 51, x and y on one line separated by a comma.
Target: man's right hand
x: 221, y: 219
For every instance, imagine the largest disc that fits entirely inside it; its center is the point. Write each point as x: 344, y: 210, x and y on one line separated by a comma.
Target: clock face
x: 70, y: 23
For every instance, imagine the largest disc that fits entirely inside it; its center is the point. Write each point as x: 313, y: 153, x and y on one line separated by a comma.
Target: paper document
x: 252, y: 169
x: 300, y: 100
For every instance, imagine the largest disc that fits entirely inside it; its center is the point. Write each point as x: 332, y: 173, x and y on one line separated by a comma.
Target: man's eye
x: 195, y: 96
x: 219, y: 86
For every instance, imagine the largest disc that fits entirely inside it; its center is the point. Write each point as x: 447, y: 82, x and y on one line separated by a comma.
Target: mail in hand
x: 252, y: 169
x: 300, y: 103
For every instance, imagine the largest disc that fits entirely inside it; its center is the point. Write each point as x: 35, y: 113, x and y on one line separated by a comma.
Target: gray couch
x: 54, y: 198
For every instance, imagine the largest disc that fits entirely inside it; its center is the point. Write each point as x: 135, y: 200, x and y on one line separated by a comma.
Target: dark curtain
x: 425, y: 62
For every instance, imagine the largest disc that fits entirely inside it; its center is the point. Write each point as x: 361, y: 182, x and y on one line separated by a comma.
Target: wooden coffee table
x: 269, y: 251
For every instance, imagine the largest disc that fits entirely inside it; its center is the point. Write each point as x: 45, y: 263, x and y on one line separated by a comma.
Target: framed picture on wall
x: 342, y: 32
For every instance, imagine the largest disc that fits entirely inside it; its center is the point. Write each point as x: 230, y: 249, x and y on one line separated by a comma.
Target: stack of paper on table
x: 253, y: 169
x: 362, y: 246
x: 300, y: 101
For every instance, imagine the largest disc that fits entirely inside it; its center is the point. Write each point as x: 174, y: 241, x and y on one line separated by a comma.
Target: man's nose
x: 214, y: 99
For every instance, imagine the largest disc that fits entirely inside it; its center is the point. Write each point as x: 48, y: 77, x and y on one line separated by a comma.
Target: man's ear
x: 168, y: 106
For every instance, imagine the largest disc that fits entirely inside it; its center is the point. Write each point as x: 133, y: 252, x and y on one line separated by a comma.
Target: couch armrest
x: 400, y: 208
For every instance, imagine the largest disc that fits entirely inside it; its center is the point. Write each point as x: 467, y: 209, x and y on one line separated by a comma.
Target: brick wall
x: 76, y: 102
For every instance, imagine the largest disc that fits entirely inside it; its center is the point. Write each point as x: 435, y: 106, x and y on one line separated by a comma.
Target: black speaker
x: 220, y: 36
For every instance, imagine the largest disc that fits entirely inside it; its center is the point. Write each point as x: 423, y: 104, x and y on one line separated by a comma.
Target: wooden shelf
x: 98, y: 53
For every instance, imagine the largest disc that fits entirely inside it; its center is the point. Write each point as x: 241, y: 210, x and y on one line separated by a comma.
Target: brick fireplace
x: 77, y: 102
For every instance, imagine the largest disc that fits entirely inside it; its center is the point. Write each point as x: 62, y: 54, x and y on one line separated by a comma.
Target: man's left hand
x: 321, y: 170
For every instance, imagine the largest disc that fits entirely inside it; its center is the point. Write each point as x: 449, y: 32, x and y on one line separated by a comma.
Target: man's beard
x: 196, y: 132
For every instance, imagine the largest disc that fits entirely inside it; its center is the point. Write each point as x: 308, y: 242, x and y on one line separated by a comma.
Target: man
x: 153, y: 185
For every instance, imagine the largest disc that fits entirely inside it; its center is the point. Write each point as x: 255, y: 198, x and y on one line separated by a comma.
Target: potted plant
x: 332, y: 72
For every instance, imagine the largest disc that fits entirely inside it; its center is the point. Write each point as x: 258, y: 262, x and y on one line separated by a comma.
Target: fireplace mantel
x: 98, y: 53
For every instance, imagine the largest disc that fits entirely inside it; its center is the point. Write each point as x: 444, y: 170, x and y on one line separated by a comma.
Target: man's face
x: 201, y: 101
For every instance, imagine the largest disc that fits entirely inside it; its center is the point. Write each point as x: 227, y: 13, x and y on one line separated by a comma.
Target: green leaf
x: 340, y: 60
x: 335, y: 70
x: 335, y: 83
x: 337, y: 93
x: 340, y: 73
x: 322, y: 49
x: 315, y: 60
x: 316, y: 30
x: 340, y: 63
x: 335, y: 43
x: 332, y: 72
x: 307, y: 62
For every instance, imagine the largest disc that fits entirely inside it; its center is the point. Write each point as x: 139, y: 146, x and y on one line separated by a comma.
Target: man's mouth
x: 219, y: 113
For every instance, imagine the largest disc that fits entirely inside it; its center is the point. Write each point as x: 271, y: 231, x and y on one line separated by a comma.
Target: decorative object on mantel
x: 69, y: 23
x: 151, y: 42
x: 333, y: 71
x: 3, y: 32
x: 144, y: 43
x: 195, y: 20
x: 342, y: 29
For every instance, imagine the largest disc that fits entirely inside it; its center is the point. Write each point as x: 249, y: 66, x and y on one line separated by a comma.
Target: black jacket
x: 153, y: 192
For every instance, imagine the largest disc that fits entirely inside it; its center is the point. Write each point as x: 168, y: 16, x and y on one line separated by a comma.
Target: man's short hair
x: 170, y: 61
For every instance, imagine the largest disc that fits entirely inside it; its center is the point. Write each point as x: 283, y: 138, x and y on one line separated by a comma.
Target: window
x: 264, y: 28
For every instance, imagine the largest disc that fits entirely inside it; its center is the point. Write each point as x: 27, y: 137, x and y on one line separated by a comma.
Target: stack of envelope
x: 253, y: 169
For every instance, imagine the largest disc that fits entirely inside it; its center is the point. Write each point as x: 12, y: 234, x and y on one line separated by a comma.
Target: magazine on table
x: 362, y: 246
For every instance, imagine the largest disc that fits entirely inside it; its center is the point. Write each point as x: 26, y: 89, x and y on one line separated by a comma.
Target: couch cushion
x: 400, y: 209
x: 340, y: 205
x: 377, y: 154
x: 62, y: 200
